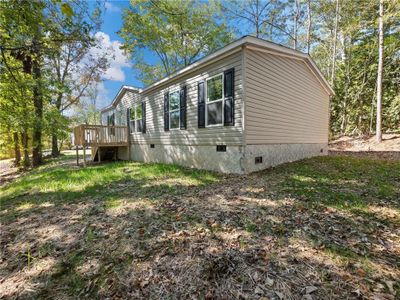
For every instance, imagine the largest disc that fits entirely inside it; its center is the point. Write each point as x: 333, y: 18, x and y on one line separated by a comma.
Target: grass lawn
x: 322, y: 228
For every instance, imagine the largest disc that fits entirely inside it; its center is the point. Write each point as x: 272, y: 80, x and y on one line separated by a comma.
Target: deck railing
x: 100, y: 135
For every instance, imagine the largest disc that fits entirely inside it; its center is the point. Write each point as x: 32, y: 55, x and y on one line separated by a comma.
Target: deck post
x: 128, y: 139
x: 84, y: 155
x: 77, y: 155
x: 98, y: 155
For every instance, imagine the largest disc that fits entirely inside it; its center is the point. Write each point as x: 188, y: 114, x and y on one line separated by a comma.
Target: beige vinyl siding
x: 285, y: 102
x: 228, y: 135
x: 126, y: 101
x: 104, y: 116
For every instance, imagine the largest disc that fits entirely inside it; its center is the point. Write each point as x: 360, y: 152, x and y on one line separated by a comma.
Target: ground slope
x: 322, y: 228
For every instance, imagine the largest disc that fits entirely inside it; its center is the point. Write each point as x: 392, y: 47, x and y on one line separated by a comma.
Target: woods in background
x: 340, y: 35
x: 47, y: 66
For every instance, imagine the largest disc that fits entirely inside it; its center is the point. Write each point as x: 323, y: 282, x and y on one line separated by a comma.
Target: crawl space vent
x: 221, y: 148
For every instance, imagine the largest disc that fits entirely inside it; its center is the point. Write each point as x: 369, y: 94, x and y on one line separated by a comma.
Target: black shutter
x: 143, y: 117
x: 183, y: 107
x: 229, y: 95
x: 166, y: 111
x: 201, y: 105
x: 113, y: 119
x: 128, y: 118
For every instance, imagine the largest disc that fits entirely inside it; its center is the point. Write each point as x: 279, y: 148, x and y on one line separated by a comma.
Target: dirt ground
x: 322, y: 228
x: 390, y: 142
x: 8, y: 171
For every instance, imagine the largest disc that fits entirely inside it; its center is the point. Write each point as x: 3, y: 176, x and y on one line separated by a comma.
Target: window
x: 215, y: 101
x: 132, y: 119
x: 174, y: 110
x: 139, y: 116
x: 111, y: 122
x: 136, y: 116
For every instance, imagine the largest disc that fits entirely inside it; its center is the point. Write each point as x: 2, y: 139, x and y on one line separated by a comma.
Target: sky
x: 120, y: 72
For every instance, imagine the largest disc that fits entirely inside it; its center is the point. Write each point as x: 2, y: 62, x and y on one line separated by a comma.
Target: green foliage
x: 68, y: 184
x: 310, y: 25
x: 67, y: 10
x: 178, y: 32
x: 55, y: 36
x: 353, y: 108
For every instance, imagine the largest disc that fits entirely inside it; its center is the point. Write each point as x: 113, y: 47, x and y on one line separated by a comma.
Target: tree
x: 354, y: 74
x: 258, y: 17
x: 74, y: 62
x: 30, y: 35
x: 177, y: 32
x: 309, y: 25
x: 332, y: 78
x: 341, y: 37
x: 21, y: 41
x: 86, y: 112
x: 379, y: 77
x: 48, y: 60
x: 296, y: 23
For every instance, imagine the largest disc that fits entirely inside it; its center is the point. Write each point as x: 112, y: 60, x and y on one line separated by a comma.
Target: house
x: 248, y: 106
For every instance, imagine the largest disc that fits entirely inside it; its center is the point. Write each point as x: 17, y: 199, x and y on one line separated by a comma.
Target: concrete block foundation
x: 199, y: 157
x: 275, y: 154
x: 236, y: 159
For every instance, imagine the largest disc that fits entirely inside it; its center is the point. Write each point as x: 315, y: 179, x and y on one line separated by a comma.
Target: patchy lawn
x: 323, y: 228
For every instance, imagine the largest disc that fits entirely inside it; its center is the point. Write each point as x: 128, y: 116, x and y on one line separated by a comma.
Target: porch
x: 101, y: 139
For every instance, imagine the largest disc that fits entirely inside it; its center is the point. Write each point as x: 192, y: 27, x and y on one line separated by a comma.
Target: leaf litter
x: 241, y: 237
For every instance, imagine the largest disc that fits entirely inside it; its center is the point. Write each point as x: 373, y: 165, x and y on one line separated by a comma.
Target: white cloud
x: 117, y: 57
x: 114, y: 73
x: 103, y: 98
x: 111, y: 8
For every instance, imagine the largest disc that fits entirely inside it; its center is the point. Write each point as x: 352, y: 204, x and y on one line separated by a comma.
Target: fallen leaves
x: 245, y: 237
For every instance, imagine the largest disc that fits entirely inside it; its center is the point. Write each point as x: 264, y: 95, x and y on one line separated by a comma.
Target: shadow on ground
x: 326, y: 227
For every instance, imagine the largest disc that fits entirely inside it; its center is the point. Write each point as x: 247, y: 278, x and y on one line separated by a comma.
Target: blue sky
x: 120, y: 72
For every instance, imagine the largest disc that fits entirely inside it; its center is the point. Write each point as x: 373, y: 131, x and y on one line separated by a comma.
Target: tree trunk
x: 332, y: 79
x: 55, y: 151
x: 308, y: 25
x: 38, y: 106
x: 17, y: 150
x: 296, y: 21
x: 25, y: 146
x: 257, y: 20
x: 54, y: 145
x: 371, y: 119
x: 379, y: 79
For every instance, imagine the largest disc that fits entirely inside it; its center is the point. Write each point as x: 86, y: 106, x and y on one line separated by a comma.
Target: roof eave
x: 119, y: 95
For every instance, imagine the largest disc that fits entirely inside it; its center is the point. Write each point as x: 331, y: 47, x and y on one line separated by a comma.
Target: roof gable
x: 119, y: 96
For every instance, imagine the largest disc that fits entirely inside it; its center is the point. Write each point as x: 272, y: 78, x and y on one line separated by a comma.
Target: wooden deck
x: 97, y: 136
x: 100, y: 135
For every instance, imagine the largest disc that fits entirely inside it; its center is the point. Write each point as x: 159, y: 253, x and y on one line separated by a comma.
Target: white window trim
x: 136, y: 118
x: 174, y: 110
x: 222, y: 99
x: 135, y: 106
